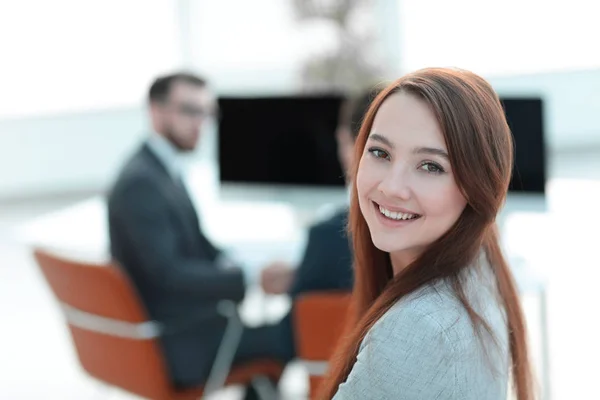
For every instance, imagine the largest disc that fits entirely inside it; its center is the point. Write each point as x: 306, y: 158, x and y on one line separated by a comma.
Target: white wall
x: 62, y: 56
x: 572, y: 105
x: 62, y: 65
x: 73, y: 152
x: 507, y: 37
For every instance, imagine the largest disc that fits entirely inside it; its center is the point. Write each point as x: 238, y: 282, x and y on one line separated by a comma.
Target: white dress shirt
x: 167, y: 153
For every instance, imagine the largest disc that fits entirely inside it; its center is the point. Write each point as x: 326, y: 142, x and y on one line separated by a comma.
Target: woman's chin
x: 388, y: 245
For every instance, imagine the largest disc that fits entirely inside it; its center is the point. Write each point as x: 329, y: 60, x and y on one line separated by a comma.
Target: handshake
x: 277, y: 278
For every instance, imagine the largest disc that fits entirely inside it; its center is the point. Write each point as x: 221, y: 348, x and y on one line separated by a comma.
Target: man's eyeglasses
x: 190, y: 111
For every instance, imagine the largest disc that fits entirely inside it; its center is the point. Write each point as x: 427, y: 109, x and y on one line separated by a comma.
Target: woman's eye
x: 432, y: 168
x: 378, y: 153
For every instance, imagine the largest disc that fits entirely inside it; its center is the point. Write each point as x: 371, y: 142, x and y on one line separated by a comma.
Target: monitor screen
x: 525, y: 117
x: 280, y: 140
x: 290, y: 140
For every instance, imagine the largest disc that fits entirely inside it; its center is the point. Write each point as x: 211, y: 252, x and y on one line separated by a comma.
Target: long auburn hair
x: 480, y: 148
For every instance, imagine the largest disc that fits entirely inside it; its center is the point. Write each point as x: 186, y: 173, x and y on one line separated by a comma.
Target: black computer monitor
x: 525, y: 117
x: 290, y: 141
x: 282, y: 140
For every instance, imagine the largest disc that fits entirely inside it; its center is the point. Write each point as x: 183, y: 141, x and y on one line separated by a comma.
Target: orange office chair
x: 320, y: 320
x: 117, y: 345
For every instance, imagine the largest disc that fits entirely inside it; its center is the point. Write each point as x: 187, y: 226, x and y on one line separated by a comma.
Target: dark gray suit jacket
x: 155, y: 236
x: 326, y: 266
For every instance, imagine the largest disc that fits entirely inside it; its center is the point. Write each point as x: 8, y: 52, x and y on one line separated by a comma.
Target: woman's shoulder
x: 426, y: 346
x: 430, y: 311
x: 435, y: 311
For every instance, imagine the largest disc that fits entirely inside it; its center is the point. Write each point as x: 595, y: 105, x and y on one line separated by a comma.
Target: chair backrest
x: 114, y: 340
x: 320, y: 320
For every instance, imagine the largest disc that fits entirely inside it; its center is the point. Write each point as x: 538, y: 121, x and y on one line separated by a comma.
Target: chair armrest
x: 227, y: 348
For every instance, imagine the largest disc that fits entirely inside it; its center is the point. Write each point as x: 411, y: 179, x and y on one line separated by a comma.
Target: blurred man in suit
x: 327, y: 260
x: 155, y: 235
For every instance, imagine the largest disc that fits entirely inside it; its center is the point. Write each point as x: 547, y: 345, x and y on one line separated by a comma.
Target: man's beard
x: 179, y: 144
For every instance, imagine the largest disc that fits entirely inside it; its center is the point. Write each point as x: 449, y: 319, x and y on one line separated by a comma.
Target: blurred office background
x: 73, y: 80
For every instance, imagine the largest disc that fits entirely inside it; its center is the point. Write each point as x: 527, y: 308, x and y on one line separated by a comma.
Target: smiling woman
x: 436, y: 310
x: 406, y: 170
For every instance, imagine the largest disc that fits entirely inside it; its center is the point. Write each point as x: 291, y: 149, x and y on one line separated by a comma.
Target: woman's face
x: 406, y: 188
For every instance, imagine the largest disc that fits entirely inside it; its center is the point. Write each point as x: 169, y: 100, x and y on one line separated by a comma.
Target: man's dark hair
x: 160, y: 89
x: 358, y: 108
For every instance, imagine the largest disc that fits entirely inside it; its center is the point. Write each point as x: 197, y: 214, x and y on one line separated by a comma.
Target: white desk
x: 253, y: 233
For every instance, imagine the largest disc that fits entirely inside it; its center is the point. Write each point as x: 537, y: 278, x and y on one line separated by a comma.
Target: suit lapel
x: 183, y: 206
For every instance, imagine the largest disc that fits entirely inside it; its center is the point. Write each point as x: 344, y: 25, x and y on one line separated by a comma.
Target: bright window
x: 499, y: 37
x: 71, y: 55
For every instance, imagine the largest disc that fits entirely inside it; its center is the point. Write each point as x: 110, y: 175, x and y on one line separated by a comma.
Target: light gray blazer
x: 425, y: 347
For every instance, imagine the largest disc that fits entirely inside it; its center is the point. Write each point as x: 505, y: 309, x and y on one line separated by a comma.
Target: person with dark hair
x: 156, y: 237
x: 179, y: 104
x: 327, y: 260
x: 436, y: 313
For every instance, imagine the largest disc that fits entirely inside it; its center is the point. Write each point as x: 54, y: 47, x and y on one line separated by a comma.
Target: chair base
x: 260, y: 374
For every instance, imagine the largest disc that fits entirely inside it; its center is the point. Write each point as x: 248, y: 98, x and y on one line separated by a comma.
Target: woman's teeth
x: 397, y: 215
